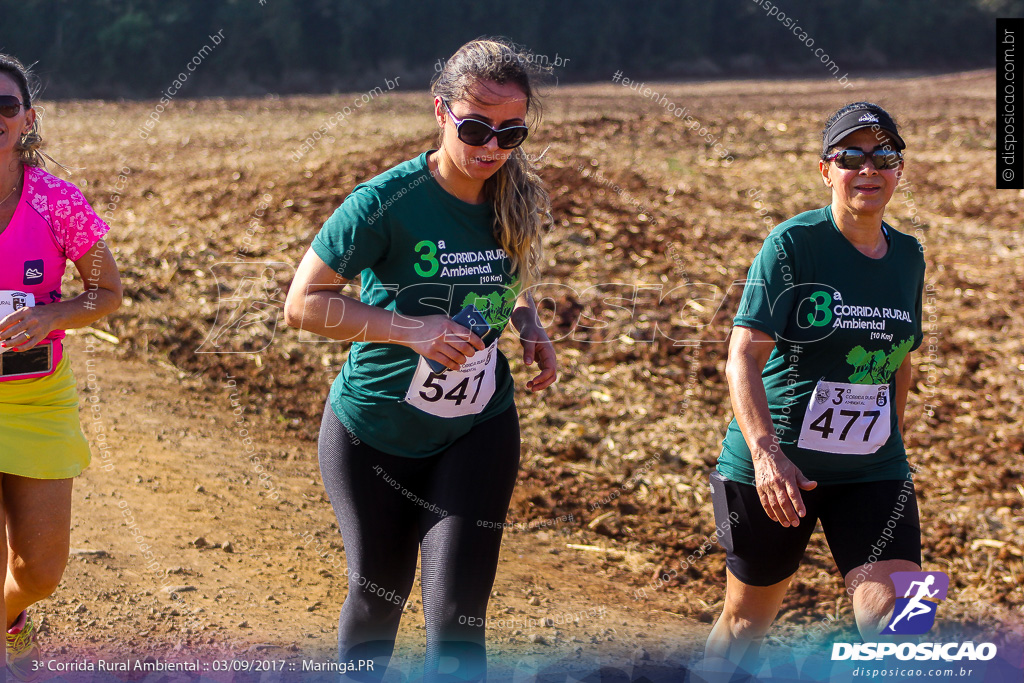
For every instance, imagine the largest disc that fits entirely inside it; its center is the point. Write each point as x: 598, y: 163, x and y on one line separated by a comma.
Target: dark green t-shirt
x: 420, y: 251
x: 843, y: 323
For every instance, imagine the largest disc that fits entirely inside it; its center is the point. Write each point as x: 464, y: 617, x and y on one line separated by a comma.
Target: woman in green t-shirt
x: 417, y: 460
x: 819, y: 369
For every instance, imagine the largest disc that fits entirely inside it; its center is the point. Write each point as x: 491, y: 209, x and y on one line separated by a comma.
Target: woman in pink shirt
x: 44, y: 223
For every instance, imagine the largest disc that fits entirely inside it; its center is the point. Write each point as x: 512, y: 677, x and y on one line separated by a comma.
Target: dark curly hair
x: 29, y: 145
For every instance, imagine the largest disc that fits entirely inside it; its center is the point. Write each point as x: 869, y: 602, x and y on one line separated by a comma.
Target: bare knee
x: 750, y: 610
x: 38, y: 578
x: 875, y: 597
x: 874, y: 594
x: 872, y: 604
x: 747, y: 624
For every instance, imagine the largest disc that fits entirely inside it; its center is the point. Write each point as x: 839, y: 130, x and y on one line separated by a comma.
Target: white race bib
x: 454, y: 393
x: 852, y: 419
x: 11, y: 300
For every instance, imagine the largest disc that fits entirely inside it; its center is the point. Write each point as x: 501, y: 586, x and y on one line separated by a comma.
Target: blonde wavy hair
x: 29, y: 146
x: 522, y: 207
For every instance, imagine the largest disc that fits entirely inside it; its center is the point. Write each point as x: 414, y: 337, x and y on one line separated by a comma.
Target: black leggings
x: 453, y: 505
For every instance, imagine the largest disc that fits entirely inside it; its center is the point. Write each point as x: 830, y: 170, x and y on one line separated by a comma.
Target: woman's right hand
x: 777, y: 479
x: 778, y: 483
x: 440, y: 339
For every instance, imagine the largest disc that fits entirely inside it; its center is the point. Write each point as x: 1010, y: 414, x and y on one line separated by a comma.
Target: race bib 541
x: 454, y: 393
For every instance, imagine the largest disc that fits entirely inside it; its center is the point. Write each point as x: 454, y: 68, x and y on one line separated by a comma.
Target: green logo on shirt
x: 822, y: 301
x: 496, y: 307
x: 877, y: 367
x: 429, y: 256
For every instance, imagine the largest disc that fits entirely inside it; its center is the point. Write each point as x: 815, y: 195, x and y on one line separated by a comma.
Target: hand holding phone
x: 474, y: 321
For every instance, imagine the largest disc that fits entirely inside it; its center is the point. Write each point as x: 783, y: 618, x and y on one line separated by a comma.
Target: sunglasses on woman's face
x: 9, y: 106
x: 853, y: 159
x: 477, y: 133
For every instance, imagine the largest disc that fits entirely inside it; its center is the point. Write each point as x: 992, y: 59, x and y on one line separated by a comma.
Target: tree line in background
x: 136, y: 48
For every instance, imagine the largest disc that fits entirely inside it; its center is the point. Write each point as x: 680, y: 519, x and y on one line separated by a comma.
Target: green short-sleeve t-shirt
x: 839, y: 318
x: 420, y: 251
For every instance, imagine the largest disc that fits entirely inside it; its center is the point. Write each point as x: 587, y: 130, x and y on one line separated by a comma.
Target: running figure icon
x: 914, y: 612
x: 915, y: 607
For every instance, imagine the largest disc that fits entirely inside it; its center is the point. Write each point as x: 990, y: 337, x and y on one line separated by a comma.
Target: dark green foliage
x: 135, y: 48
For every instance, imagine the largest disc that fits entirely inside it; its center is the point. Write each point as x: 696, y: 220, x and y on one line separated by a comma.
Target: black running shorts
x: 863, y: 523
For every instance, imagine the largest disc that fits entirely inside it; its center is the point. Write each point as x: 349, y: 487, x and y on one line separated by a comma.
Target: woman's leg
x: 747, y: 615
x: 3, y: 541
x: 38, y: 516
x: 761, y: 558
x: 873, y: 529
x: 472, y: 485
x: 378, y: 529
x: 874, y: 594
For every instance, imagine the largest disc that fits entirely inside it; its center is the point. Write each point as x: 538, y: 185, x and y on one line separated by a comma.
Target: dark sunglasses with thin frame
x: 477, y: 133
x: 853, y: 159
x: 10, y: 106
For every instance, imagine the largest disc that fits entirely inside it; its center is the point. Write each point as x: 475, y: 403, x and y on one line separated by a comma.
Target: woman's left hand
x: 26, y: 327
x: 537, y: 346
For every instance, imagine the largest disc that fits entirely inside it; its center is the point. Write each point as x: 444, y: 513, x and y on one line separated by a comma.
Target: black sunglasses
x: 9, y: 106
x: 853, y: 159
x: 477, y: 133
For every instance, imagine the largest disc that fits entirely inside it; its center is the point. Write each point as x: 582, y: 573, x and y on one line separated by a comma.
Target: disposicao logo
x: 914, y: 614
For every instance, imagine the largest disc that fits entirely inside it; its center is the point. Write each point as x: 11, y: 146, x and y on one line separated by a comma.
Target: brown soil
x: 625, y: 441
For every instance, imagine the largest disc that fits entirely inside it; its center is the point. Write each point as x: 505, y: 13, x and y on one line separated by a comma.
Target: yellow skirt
x: 40, y: 433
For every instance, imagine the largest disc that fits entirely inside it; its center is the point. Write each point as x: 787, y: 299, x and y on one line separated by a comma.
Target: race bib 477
x: 851, y: 419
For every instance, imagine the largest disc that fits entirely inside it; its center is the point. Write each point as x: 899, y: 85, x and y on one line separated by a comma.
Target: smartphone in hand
x: 474, y: 321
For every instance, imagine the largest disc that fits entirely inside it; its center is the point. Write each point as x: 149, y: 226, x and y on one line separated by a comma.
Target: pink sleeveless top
x: 52, y: 224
